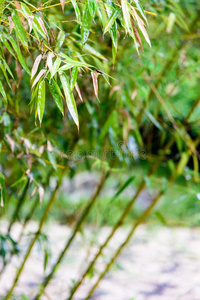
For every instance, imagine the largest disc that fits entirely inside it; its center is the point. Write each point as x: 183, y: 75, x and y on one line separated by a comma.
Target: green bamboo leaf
x: 56, y: 66
x: 25, y: 10
x: 2, y: 190
x: 56, y: 94
x: 139, y: 7
x: 92, y: 7
x: 111, y: 21
x: 21, y: 32
x: 7, y: 68
x: 60, y: 41
x: 77, y: 11
x: 6, y: 44
x: 19, y: 54
x: 114, y: 37
x: 93, y: 51
x: 123, y: 187
x: 41, y: 100
x: 153, y: 120
x: 110, y: 8
x: 2, y: 91
x: 52, y: 160
x: 37, y: 28
x: 126, y: 15
x: 28, y: 3
x: 101, y: 13
x: 70, y: 63
x: 71, y: 104
x: 5, y: 73
x: 74, y: 75
x: 85, y: 30
x: 66, y: 67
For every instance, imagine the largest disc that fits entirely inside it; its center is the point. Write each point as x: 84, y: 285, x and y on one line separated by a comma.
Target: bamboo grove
x: 107, y: 87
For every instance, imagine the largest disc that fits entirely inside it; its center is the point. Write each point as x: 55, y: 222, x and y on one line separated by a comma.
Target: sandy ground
x: 159, y: 263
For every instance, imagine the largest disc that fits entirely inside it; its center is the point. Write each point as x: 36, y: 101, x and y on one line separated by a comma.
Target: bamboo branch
x: 76, y: 229
x: 135, y: 225
x: 9, y: 294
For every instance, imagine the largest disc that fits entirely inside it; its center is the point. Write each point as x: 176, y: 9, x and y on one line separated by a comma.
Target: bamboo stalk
x: 21, y: 234
x: 119, y: 223
x: 19, y: 206
x: 9, y: 294
x: 135, y: 225
x: 76, y: 229
x: 196, y: 102
x: 120, y: 248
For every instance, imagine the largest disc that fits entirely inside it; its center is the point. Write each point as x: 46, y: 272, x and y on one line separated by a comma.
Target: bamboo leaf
x: 6, y: 44
x: 78, y: 91
x: 43, y: 26
x: 93, y: 51
x: 19, y: 54
x: 55, y: 67
x: 85, y: 30
x: 41, y: 193
x: 38, y: 77
x: 74, y: 75
x: 36, y: 65
x: 21, y: 32
x: 41, y: 100
x: 77, y: 11
x: 60, y: 41
x: 25, y: 10
x: 30, y: 22
x: 137, y: 36
x: 11, y: 24
x: 62, y: 4
x: 49, y: 60
x: 56, y: 94
x: 126, y: 15
x: 2, y: 190
x: 92, y: 7
x: 37, y: 27
x: 141, y: 26
x: 111, y: 21
x: 2, y: 91
x: 5, y: 73
x: 139, y: 7
x: 71, y: 104
x: 95, y: 83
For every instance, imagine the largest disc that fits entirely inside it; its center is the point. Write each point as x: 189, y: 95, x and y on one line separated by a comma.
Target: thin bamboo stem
x: 76, y: 229
x: 19, y: 205
x: 135, y: 225
x: 119, y: 223
x: 21, y: 234
x: 192, y: 109
x: 120, y: 248
x: 9, y: 294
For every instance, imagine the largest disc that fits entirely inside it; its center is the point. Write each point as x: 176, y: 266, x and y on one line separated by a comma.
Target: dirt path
x: 160, y: 263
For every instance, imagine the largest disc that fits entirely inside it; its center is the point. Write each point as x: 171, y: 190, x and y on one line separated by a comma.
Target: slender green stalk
x: 21, y: 234
x: 194, y: 105
x: 19, y: 206
x: 135, y: 225
x: 119, y: 223
x: 120, y: 248
x: 76, y: 229
x: 9, y: 294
